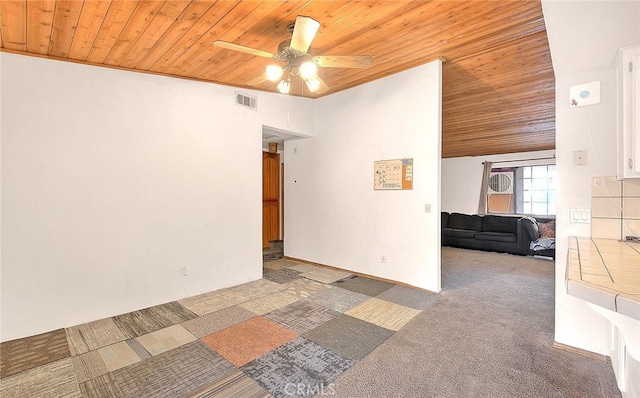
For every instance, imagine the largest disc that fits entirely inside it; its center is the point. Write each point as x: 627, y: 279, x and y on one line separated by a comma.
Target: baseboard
x: 582, y: 352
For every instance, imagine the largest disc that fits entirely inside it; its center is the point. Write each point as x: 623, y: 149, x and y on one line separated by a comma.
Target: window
x: 527, y: 190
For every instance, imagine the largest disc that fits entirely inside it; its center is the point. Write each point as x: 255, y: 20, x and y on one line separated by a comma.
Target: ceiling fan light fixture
x: 274, y: 72
x: 284, y: 86
x: 308, y: 69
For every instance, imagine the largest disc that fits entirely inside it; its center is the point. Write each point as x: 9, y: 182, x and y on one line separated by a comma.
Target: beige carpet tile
x: 101, y: 387
x: 165, y: 339
x: 206, y: 303
x: 30, y: 352
x: 216, y: 321
x: 249, y: 340
x: 234, y: 384
x: 304, y: 288
x: 338, y: 299
x: 173, y: 374
x: 302, y: 267
x: 326, y: 275
x: 256, y: 289
x: 55, y: 379
x: 149, y: 320
x: 301, y: 316
x: 266, y: 304
x: 409, y: 297
x: 280, y: 264
x: 88, y: 366
x: 383, y: 313
x: 118, y: 356
x: 93, y: 335
x: 360, y: 284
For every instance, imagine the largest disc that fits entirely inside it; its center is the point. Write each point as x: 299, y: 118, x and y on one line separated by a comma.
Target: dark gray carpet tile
x: 338, y: 299
x: 139, y: 349
x: 137, y: 323
x: 284, y: 275
x: 412, y: 298
x: 360, y: 284
x: 298, y: 368
x: 101, y: 387
x: 173, y: 373
x: 350, y: 337
x: 234, y: 384
x: 29, y: 352
x: 302, y: 316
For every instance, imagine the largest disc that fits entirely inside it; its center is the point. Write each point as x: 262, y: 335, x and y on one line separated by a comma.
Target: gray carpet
x: 489, y: 335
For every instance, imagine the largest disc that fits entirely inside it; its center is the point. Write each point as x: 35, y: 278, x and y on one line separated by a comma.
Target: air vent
x: 246, y: 101
x: 501, y: 183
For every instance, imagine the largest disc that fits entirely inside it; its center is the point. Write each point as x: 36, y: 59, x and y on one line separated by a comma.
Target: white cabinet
x: 628, y: 66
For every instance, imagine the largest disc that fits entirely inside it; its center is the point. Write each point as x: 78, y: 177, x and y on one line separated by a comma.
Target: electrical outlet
x: 383, y: 258
x: 183, y: 271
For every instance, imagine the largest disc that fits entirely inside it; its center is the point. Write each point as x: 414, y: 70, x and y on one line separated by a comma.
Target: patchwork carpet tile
x: 301, y: 316
x: 338, y: 299
x: 139, y: 348
x: 280, y: 263
x: 270, y: 303
x: 256, y: 289
x: 300, y: 367
x: 88, y: 366
x: 213, y: 301
x: 100, y: 387
x: 302, y: 267
x: 174, y: 373
x: 303, y: 288
x: 29, y: 352
x: 413, y: 298
x: 284, y: 275
x: 216, y: 321
x: 326, y: 275
x: 234, y: 384
x: 350, y: 337
x: 368, y: 286
x: 56, y: 379
x: 149, y: 320
x: 165, y: 339
x: 248, y: 340
x: 383, y: 313
x: 118, y: 356
x: 93, y: 335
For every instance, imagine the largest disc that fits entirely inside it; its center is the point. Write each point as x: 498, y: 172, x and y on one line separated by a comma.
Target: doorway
x: 270, y: 198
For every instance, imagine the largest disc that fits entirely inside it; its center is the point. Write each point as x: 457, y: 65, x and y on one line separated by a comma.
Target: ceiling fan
x: 297, y: 56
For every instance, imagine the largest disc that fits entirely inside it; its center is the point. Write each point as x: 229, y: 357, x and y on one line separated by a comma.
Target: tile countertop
x: 605, y: 272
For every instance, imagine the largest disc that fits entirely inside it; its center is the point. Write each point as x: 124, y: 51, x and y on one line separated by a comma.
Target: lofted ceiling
x: 498, y: 81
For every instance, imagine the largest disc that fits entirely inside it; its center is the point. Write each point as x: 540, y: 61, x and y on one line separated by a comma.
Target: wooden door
x: 270, y: 197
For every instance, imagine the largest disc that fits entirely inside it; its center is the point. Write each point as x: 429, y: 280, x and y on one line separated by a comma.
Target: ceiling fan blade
x: 323, y: 86
x: 303, y: 33
x: 243, y: 49
x: 343, y: 61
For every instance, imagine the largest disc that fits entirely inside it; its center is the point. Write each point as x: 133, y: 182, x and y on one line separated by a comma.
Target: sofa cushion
x: 496, y: 236
x: 547, y: 229
x: 465, y: 221
x: 530, y: 225
x: 500, y: 224
x: 444, y: 219
x: 458, y: 233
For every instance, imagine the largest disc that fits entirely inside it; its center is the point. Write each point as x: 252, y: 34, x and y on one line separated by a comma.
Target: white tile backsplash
x: 615, y: 207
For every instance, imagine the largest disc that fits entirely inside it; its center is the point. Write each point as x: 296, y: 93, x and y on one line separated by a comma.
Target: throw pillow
x: 547, y: 229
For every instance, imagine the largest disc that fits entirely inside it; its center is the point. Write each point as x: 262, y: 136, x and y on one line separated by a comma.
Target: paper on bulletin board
x: 396, y: 174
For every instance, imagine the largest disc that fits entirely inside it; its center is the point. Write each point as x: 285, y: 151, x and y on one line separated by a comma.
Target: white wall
x: 334, y: 216
x: 581, y: 58
x: 111, y: 181
x: 462, y: 178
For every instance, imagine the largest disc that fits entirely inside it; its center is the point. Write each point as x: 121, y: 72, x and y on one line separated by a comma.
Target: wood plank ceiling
x: 498, y: 81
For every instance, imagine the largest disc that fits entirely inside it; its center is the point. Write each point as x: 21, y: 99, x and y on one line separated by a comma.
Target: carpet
x: 216, y: 321
x: 234, y: 384
x: 93, y: 335
x: 149, y: 320
x: 56, y: 379
x: 359, y: 284
x: 34, y: 351
x: 301, y: 316
x: 298, y: 368
x: 283, y: 275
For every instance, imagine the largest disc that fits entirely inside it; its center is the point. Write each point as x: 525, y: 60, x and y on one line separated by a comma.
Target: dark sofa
x: 491, y: 233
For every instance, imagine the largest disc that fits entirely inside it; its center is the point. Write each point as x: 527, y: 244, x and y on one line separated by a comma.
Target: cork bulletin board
x: 394, y: 174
